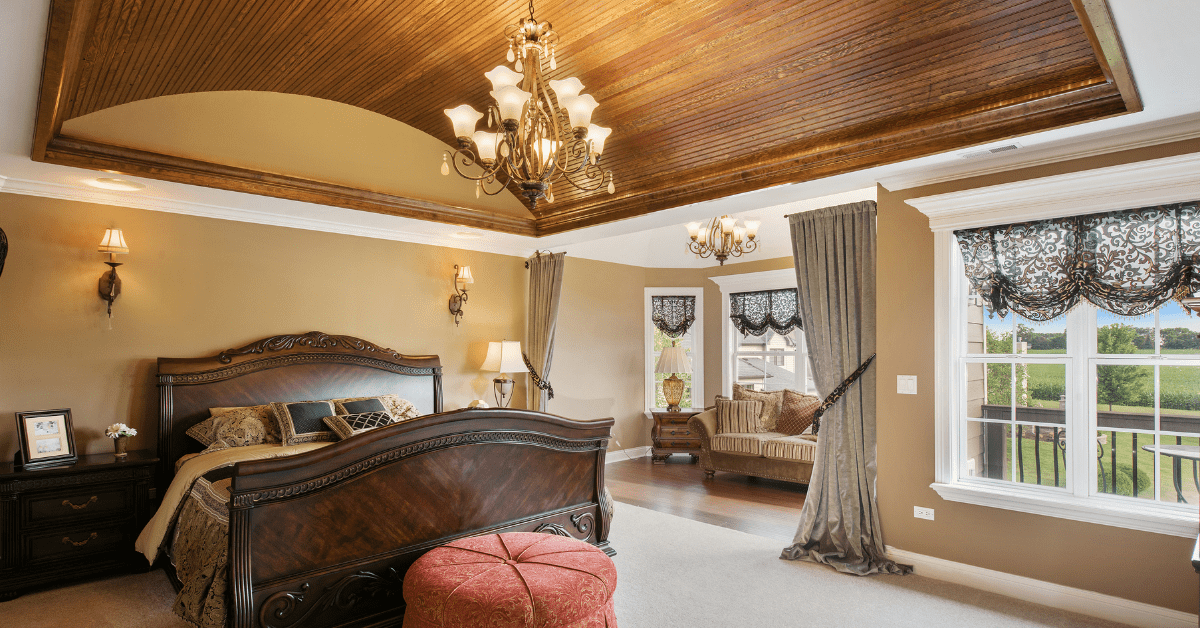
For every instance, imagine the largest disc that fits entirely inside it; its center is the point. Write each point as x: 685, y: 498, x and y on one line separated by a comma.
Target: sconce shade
x: 504, y: 357
x: 567, y: 88
x: 598, y: 134
x: 486, y: 144
x: 502, y: 77
x: 464, y: 118
x: 579, y: 109
x: 113, y: 242
x: 464, y: 275
x: 673, y: 360
x: 511, y: 100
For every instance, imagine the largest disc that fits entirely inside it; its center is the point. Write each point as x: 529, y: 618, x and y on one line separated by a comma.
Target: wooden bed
x: 324, y: 538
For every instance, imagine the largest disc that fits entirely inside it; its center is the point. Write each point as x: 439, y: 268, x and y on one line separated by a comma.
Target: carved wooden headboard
x: 284, y: 368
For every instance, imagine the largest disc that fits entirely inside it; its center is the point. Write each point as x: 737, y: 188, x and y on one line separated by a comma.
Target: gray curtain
x: 834, y: 250
x: 545, y: 288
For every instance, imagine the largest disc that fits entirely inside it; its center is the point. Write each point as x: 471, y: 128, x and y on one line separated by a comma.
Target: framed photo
x: 47, y: 439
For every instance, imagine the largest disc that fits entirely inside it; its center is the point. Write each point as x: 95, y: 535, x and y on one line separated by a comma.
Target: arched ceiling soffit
x: 297, y: 136
x: 705, y: 99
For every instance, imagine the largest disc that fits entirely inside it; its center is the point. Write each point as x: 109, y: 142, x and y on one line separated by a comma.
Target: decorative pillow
x: 347, y: 425
x: 797, y: 413
x: 301, y: 422
x: 236, y: 433
x: 400, y: 409
x: 738, y: 417
x: 374, y: 404
x: 772, y: 404
x: 240, y: 417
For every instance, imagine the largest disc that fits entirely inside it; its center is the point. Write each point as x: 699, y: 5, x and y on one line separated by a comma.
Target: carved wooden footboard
x: 324, y: 538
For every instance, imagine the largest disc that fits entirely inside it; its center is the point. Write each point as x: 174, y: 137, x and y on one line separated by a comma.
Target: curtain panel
x: 753, y: 313
x: 673, y: 316
x: 1128, y: 262
x: 545, y: 290
x: 834, y: 252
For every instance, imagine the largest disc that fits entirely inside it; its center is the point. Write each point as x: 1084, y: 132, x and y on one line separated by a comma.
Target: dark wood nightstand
x: 66, y: 522
x: 671, y: 435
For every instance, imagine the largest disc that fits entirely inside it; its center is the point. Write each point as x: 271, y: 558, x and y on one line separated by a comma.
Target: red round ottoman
x: 514, y: 580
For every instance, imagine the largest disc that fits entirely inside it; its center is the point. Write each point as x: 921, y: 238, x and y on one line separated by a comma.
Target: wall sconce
x: 462, y: 277
x: 110, y: 284
x: 504, y: 357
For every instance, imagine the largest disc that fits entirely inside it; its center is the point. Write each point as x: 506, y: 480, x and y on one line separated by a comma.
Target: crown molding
x: 1139, y: 184
x: 205, y: 210
x: 1140, y: 136
x: 763, y: 280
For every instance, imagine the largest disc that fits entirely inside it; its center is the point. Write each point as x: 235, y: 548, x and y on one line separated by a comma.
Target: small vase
x: 121, y: 442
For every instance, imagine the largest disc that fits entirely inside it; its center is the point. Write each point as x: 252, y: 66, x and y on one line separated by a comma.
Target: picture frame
x: 47, y: 438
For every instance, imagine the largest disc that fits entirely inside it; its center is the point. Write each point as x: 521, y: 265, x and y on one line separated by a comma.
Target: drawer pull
x: 67, y: 502
x: 67, y: 540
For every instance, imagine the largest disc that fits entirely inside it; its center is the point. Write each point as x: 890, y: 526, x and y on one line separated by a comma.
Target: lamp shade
x: 464, y: 275
x: 566, y: 88
x: 752, y: 228
x: 113, y: 242
x: 597, y: 134
x: 486, y: 143
x: 511, y: 100
x: 579, y: 109
x: 504, y: 357
x: 673, y: 360
x: 502, y: 77
x: 464, y: 118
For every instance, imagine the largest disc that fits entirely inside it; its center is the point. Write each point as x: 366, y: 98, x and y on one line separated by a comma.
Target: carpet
x: 672, y: 572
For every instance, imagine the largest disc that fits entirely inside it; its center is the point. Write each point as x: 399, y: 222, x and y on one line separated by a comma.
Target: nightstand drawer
x: 98, y: 501
x: 77, y: 541
x: 675, y: 432
x: 680, y: 444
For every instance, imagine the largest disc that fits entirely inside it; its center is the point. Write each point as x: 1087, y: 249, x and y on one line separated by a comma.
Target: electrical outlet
x: 923, y: 513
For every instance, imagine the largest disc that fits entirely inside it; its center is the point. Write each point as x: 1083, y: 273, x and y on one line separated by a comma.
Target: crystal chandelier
x: 723, y: 238
x: 540, y: 140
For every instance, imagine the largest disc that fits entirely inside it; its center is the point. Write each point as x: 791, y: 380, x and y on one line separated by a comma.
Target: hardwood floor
x: 763, y: 507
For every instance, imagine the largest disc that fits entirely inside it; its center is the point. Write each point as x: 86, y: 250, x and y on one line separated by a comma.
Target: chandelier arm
x: 468, y: 160
x: 589, y: 188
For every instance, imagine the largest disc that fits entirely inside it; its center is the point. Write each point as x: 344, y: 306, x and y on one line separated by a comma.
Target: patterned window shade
x: 1128, y: 262
x: 753, y: 313
x: 673, y: 315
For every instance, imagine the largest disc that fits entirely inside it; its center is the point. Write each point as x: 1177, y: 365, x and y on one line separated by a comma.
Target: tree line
x: 1142, y: 338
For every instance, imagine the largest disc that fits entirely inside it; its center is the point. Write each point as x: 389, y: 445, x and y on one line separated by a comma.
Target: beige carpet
x: 672, y: 573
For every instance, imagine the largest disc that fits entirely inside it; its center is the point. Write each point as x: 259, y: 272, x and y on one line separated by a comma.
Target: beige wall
x: 1139, y: 566
x: 195, y: 286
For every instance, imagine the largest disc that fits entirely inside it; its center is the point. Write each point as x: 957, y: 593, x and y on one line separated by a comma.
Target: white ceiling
x: 1159, y: 39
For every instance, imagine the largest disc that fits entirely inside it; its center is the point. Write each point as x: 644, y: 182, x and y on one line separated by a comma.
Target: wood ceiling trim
x: 69, y: 23
x: 1101, y: 30
x: 833, y: 155
x: 98, y: 156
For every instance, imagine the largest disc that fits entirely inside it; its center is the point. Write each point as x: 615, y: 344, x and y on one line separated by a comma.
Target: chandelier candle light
x: 723, y: 238
x: 535, y: 139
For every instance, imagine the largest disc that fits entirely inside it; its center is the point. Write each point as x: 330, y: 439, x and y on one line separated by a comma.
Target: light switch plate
x: 906, y: 384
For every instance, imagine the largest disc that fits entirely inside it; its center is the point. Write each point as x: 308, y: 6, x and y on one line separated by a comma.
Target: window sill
x: 1162, y: 519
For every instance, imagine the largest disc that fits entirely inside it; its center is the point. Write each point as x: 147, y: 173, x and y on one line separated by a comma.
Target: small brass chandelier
x: 541, y: 139
x: 723, y: 238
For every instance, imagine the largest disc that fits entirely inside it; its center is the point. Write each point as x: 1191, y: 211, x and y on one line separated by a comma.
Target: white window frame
x: 1141, y: 184
x: 752, y: 282
x: 697, y: 354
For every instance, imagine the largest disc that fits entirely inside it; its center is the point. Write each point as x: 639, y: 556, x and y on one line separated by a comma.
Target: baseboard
x: 1047, y: 593
x: 626, y: 454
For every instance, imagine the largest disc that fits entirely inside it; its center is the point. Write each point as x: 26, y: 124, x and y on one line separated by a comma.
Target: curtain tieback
x: 837, y: 393
x: 537, y: 380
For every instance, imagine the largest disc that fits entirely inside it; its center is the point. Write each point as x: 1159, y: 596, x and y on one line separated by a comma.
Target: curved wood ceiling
x: 705, y: 99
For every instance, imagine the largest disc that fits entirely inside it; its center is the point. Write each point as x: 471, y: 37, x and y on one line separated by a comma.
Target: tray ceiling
x: 705, y: 99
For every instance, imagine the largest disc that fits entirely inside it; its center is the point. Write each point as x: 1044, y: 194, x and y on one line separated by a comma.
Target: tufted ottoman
x: 514, y: 580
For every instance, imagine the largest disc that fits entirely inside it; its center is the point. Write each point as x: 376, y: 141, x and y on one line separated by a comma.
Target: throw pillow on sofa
x: 772, y: 404
x: 738, y: 417
x: 797, y: 413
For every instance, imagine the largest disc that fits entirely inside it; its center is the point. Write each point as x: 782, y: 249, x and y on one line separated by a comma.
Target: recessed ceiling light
x: 466, y: 235
x: 121, y: 185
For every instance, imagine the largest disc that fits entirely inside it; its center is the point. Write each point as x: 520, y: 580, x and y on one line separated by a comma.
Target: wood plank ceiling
x: 706, y: 98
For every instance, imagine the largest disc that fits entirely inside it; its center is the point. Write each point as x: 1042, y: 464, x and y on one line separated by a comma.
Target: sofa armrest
x: 704, y: 425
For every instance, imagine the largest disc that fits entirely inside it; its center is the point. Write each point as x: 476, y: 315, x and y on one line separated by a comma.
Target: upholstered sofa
x: 770, y: 455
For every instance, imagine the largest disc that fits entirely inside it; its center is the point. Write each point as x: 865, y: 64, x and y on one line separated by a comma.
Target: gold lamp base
x: 673, y: 392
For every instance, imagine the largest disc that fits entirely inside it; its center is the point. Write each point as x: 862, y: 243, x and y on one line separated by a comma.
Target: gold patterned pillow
x: 772, y: 404
x: 797, y: 413
x: 262, y: 413
x: 240, y: 417
x: 738, y: 417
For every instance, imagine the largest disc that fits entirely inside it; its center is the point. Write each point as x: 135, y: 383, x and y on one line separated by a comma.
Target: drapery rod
x: 538, y: 254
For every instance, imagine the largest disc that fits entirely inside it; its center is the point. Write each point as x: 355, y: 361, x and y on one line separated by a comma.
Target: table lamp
x: 504, y: 357
x: 673, y: 360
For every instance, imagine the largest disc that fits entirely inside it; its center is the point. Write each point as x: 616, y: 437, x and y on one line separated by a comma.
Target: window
x: 1091, y: 416
x: 768, y: 362
x: 656, y: 341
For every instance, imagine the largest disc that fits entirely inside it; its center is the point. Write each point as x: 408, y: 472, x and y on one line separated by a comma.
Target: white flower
x: 119, y: 429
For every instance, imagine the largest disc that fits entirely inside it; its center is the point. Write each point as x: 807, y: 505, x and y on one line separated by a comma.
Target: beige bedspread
x: 194, y: 514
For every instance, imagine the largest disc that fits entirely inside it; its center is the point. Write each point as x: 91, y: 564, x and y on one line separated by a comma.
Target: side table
x: 671, y: 435
x: 60, y: 523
